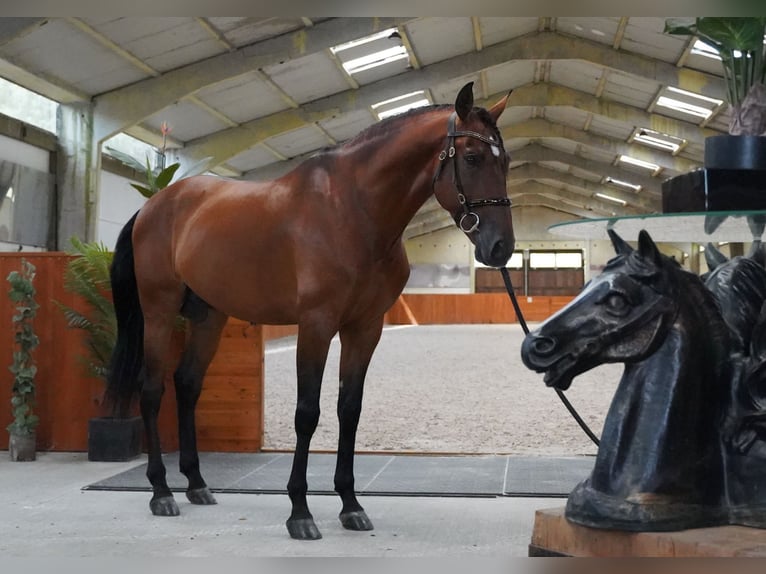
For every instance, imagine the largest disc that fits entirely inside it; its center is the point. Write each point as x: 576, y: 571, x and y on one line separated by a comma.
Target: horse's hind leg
x: 205, y: 333
x: 158, y: 328
x: 358, y: 343
x: 313, y: 344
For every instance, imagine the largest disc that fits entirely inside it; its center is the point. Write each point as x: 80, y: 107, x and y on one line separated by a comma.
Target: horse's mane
x: 395, y: 123
x: 742, y: 281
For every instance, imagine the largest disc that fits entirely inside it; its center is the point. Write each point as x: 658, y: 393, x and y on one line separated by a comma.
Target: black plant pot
x: 114, y: 439
x: 735, y: 152
x: 733, y: 179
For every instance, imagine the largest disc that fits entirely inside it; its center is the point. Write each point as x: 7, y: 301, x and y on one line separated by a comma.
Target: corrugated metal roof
x: 231, y: 71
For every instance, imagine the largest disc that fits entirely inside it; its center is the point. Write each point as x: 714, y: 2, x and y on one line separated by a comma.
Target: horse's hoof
x: 164, y: 506
x: 201, y: 496
x: 355, y: 520
x: 303, y: 529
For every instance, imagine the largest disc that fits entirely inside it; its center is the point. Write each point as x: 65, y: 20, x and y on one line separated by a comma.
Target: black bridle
x: 448, y: 153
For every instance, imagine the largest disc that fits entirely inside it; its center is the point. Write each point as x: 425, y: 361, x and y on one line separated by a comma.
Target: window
x: 555, y: 260
x: 27, y: 106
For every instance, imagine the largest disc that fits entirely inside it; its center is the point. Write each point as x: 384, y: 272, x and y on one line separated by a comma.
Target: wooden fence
x: 437, y: 309
x: 230, y: 411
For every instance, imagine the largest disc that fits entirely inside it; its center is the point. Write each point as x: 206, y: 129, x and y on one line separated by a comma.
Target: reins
x: 559, y: 392
x: 448, y: 153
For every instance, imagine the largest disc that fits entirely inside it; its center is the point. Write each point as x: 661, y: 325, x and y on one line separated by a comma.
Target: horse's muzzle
x: 497, y: 254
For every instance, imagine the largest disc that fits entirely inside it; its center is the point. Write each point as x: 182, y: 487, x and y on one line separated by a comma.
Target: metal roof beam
x: 555, y: 96
x: 541, y: 46
x: 606, y: 208
x: 131, y: 104
x: 541, y: 173
x: 537, y: 128
x: 538, y: 153
x: 537, y: 200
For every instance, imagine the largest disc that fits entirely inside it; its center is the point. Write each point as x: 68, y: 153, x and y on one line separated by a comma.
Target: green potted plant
x: 22, y: 443
x: 114, y: 436
x: 739, y: 43
x: 159, y: 177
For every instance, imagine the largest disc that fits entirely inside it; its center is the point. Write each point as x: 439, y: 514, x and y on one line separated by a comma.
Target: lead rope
x: 523, y: 323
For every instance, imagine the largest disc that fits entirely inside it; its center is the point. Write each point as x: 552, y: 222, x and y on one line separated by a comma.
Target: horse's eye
x: 472, y: 159
x: 616, y: 303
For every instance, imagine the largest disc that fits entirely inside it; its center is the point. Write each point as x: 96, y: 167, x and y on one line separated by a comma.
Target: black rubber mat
x: 392, y: 475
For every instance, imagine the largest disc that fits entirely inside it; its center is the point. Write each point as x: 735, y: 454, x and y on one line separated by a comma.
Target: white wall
x: 118, y: 201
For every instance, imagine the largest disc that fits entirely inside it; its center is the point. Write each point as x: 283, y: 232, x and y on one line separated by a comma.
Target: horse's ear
x: 621, y: 246
x: 713, y: 257
x: 499, y: 107
x: 648, y: 249
x: 464, y: 101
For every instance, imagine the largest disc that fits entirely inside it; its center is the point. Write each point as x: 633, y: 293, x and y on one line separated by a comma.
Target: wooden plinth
x: 553, y: 535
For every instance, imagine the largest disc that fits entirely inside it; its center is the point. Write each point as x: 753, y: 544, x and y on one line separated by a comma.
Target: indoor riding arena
x: 482, y: 287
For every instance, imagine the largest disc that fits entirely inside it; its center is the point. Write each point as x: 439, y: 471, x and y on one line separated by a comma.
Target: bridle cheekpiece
x: 448, y: 153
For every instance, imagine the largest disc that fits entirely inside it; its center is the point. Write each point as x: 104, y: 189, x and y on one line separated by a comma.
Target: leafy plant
x: 87, y: 275
x: 22, y: 293
x: 159, y: 177
x: 739, y: 42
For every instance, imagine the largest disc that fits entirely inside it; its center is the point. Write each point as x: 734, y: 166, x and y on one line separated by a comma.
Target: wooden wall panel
x: 230, y: 413
x: 440, y: 309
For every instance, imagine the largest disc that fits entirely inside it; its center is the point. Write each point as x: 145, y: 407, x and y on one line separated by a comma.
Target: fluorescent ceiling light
x: 610, y: 198
x: 356, y: 60
x: 658, y: 140
x: 375, y: 59
x: 683, y: 107
x: 361, y: 41
x: 688, y: 102
x: 700, y: 48
x: 401, y: 109
x: 625, y: 184
x: 397, y: 99
x: 681, y: 92
x: 401, y: 104
x: 639, y: 163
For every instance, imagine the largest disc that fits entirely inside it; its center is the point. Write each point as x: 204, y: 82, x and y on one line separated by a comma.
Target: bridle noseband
x: 448, y: 153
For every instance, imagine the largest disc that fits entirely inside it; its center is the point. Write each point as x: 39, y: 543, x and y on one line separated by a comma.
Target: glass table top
x: 704, y: 227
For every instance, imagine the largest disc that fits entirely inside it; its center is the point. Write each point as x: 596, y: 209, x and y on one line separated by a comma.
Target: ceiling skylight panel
x: 370, y: 52
x: 658, y: 140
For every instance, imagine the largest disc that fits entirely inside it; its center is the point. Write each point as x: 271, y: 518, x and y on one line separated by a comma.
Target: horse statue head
x: 620, y: 315
x: 660, y: 464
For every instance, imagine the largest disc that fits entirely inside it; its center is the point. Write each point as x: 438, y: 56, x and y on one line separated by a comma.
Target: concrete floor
x: 44, y: 514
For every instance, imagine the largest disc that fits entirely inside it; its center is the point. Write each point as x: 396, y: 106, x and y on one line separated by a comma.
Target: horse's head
x: 620, y: 316
x: 739, y: 286
x: 470, y: 178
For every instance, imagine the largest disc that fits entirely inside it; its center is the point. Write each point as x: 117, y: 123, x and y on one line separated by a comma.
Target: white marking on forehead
x: 495, y: 151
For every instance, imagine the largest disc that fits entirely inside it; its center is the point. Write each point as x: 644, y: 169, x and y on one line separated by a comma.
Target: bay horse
x: 660, y: 464
x: 320, y: 247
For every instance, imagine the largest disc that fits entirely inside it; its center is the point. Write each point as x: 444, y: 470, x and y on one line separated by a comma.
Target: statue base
x: 554, y: 535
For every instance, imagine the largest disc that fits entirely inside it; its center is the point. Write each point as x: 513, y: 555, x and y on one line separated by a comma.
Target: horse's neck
x: 664, y: 415
x: 397, y: 178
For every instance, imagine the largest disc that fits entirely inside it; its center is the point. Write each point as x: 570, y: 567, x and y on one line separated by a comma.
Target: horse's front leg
x: 313, y: 345
x: 358, y: 342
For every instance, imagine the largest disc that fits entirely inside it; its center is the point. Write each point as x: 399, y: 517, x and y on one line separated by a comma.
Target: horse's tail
x: 123, y: 380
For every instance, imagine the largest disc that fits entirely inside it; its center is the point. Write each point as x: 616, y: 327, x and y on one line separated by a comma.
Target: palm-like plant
x: 739, y: 42
x: 87, y: 275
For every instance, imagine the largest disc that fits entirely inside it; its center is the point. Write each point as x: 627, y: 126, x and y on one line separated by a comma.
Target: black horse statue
x: 681, y: 444
x: 739, y: 286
